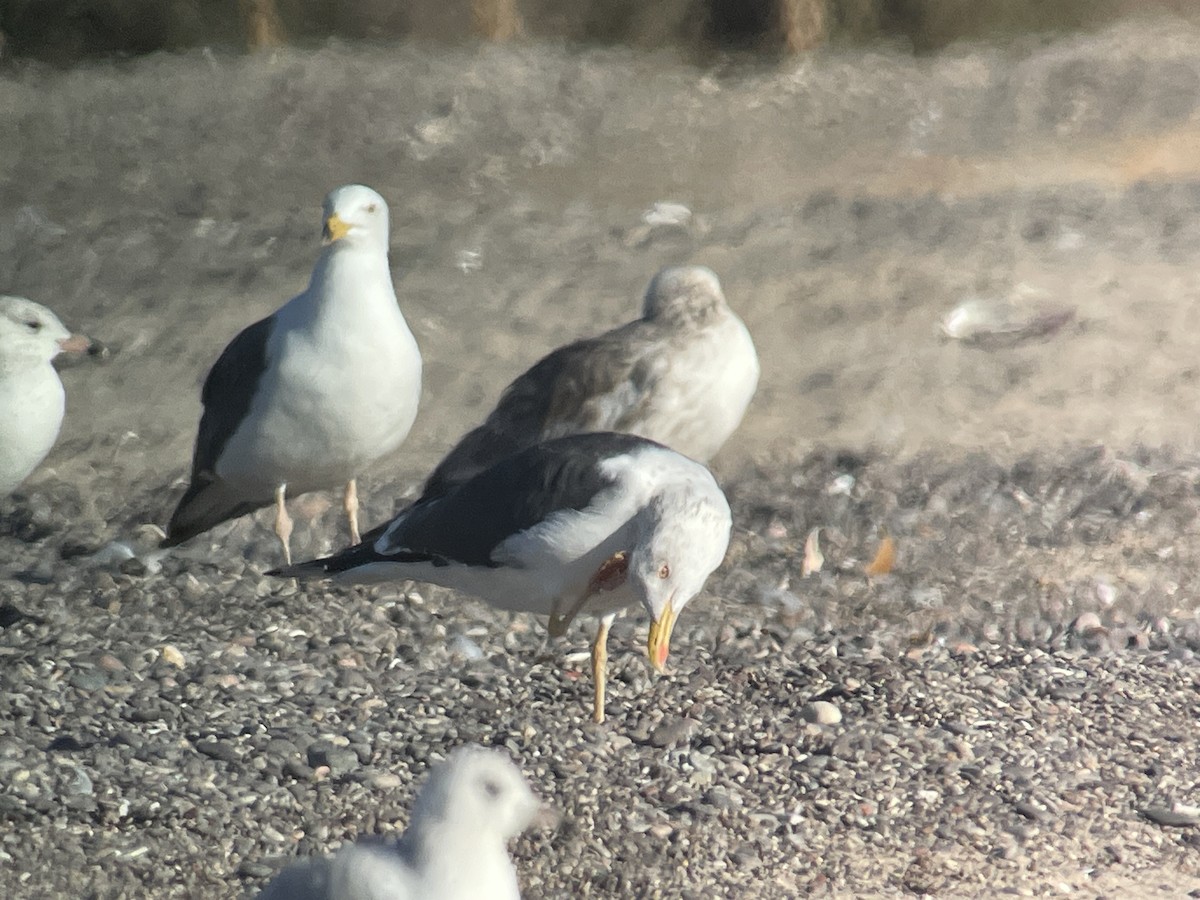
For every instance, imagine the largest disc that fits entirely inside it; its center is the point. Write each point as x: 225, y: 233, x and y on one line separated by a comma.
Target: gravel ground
x: 1010, y: 710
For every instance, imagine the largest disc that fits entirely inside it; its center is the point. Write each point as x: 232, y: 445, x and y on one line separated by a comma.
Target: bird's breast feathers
x: 311, y: 421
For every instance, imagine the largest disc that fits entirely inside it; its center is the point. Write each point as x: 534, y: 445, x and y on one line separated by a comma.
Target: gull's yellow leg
x: 350, y: 504
x: 283, y: 523
x: 600, y: 665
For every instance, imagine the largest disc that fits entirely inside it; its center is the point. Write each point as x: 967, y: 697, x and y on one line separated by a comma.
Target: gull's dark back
x: 509, y: 497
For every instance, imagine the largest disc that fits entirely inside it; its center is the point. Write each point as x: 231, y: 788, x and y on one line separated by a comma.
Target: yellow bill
x: 659, y: 643
x: 335, y: 229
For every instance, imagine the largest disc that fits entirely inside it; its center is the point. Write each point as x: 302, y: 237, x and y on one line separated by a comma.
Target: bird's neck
x: 447, y: 865
x: 348, y: 262
x: 351, y: 275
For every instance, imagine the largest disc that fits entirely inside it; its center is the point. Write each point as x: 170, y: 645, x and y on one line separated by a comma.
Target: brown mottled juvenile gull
x: 586, y: 523
x: 308, y: 397
x: 682, y: 375
x: 455, y: 847
x: 32, y: 401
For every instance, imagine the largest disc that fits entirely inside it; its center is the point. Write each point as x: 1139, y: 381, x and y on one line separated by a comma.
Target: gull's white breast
x: 32, y: 403
x: 341, y: 389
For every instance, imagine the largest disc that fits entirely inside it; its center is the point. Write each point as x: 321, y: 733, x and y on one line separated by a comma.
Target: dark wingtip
x: 314, y: 568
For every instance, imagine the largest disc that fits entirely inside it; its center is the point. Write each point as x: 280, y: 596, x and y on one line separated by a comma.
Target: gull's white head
x: 31, y: 335
x: 355, y: 216
x: 478, y: 790
x: 684, y: 533
x: 684, y: 293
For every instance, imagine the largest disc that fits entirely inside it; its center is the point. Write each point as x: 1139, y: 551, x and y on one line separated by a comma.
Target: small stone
x: 1179, y: 817
x: 336, y: 759
x: 170, y: 654
x: 673, y: 732
x: 298, y: 769
x: 218, y: 750
x: 821, y: 712
x: 81, y: 783
x: 252, y: 869
x: 385, y: 781
x: 88, y: 681
x: 1032, y: 811
x: 721, y: 799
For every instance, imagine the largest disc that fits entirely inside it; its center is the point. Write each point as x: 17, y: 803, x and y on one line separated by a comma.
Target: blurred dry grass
x: 64, y: 30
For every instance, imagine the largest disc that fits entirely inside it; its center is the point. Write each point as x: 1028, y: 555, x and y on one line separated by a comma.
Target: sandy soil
x: 848, y: 201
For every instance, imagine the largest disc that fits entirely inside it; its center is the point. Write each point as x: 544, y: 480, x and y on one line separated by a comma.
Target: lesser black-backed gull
x: 455, y: 846
x: 682, y: 375
x: 586, y: 523
x: 32, y: 401
x: 307, y: 397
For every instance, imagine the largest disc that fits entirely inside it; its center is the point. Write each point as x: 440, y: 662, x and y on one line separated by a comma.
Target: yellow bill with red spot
x: 659, y: 643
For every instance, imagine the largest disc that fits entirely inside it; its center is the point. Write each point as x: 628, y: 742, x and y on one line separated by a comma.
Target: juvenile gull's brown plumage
x: 683, y: 375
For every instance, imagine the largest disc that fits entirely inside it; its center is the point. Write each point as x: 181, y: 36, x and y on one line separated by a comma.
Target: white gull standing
x: 306, y: 398
x: 455, y: 847
x: 32, y: 400
x: 682, y: 375
x: 586, y: 523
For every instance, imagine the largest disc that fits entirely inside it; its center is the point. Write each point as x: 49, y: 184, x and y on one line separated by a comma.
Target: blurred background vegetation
x: 61, y: 31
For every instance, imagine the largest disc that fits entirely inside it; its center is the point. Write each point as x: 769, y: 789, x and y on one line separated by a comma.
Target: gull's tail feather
x: 205, y: 504
x: 351, y: 560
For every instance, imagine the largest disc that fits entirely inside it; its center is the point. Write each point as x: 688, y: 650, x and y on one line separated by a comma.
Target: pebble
x: 673, y: 732
x: 821, y: 712
x: 339, y: 760
x: 171, y: 655
x: 218, y: 750
x: 298, y: 769
x: 88, y: 680
x: 385, y: 781
x: 257, y: 741
x: 1174, y: 818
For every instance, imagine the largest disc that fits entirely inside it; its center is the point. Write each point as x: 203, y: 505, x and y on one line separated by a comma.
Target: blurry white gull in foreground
x: 586, y: 523
x: 453, y: 849
x: 307, y: 397
x: 32, y: 400
x: 682, y: 375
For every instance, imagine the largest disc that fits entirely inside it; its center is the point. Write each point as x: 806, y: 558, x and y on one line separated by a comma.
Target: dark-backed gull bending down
x: 306, y: 398
x: 587, y: 523
x: 682, y: 375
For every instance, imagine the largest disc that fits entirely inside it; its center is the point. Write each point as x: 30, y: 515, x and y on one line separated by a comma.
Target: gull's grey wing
x: 368, y: 870
x: 227, y: 395
x: 597, y: 384
x: 467, y: 524
x: 307, y: 879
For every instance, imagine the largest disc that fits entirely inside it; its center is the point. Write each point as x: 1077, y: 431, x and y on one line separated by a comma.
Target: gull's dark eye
x: 372, y: 208
x: 33, y: 324
x: 664, y: 571
x: 491, y: 788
